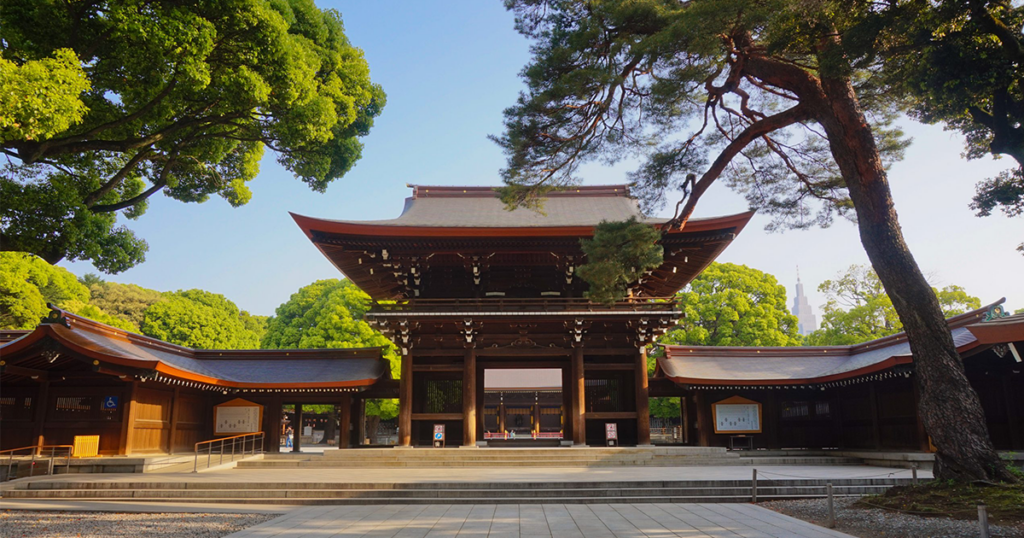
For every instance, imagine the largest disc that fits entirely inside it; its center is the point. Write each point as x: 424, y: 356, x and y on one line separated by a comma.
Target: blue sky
x: 449, y: 69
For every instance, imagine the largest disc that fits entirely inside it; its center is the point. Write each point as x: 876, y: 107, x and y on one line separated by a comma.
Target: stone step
x: 507, y: 500
x: 286, y: 464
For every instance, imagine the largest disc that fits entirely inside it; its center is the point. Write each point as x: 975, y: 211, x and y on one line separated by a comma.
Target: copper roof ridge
x: 483, y: 191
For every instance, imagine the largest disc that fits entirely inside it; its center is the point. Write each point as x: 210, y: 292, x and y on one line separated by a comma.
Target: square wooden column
x: 566, y: 418
x: 175, y: 412
x: 42, y: 403
x: 480, y: 400
x: 405, y: 401
x: 643, y: 405
x: 345, y: 421
x: 297, y: 429
x: 579, y: 403
x: 128, y: 420
x: 469, y: 397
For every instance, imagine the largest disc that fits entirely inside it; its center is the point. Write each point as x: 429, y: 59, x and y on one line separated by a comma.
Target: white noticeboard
x: 737, y: 415
x: 237, y: 419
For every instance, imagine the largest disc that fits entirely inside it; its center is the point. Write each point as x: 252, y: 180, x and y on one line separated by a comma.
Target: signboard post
x: 611, y: 433
x: 438, y: 435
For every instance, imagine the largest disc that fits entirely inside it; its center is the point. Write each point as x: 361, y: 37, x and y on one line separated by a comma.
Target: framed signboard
x: 236, y: 417
x: 736, y: 415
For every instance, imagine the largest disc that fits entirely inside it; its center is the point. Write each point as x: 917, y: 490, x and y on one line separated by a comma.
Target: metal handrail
x: 236, y: 440
x: 37, y: 450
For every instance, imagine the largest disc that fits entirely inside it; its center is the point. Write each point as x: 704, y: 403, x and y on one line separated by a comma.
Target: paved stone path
x: 537, y: 520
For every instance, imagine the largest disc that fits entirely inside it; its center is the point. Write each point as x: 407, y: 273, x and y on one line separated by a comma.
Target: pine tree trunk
x: 949, y: 407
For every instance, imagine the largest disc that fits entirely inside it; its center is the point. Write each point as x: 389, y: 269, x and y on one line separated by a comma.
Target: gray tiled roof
x: 695, y: 363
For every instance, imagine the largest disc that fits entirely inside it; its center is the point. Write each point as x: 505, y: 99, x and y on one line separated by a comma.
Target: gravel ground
x: 26, y: 524
x: 872, y: 523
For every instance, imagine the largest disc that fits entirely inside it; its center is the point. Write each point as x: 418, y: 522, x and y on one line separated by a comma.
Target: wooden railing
x: 238, y: 445
x: 37, y: 455
x: 540, y: 304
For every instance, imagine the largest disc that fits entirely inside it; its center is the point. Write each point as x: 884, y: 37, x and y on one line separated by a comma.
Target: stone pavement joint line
x: 656, y: 520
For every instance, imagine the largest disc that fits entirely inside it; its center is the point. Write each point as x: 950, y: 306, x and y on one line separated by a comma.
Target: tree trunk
x: 948, y: 405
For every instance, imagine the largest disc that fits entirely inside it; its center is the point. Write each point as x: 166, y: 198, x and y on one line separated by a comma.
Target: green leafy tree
x: 41, y: 98
x: 128, y: 301
x: 961, y: 63
x: 765, y: 95
x: 619, y: 254
x: 734, y: 305
x: 329, y: 314
x: 177, y: 97
x: 27, y: 284
x: 857, y: 308
x: 201, y: 320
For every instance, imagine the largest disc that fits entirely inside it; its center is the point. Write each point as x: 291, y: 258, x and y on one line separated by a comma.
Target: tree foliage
x: 27, y: 284
x: 177, y: 97
x: 128, y: 301
x: 617, y: 256
x: 201, y: 320
x: 734, y: 305
x: 329, y: 314
x: 857, y: 309
x: 961, y: 64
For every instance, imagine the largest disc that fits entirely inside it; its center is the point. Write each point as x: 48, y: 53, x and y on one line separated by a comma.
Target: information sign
x: 737, y: 415
x: 236, y: 417
x: 438, y: 435
x: 611, y: 431
x: 110, y: 403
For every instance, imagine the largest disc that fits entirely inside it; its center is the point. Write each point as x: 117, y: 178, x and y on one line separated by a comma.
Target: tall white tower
x: 807, y: 322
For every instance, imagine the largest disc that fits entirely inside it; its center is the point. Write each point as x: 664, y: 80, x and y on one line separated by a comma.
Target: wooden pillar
x: 128, y: 420
x: 297, y: 429
x: 480, y: 401
x: 536, y: 414
x: 772, y: 420
x: 837, y: 417
x: 1013, y: 418
x: 684, y: 419
x: 272, y: 441
x: 501, y: 417
x: 39, y: 413
x: 703, y: 422
x: 345, y: 421
x: 876, y: 433
x: 361, y: 424
x: 567, y: 393
x: 643, y: 404
x: 405, y: 402
x: 175, y: 412
x: 469, y: 397
x: 579, y: 402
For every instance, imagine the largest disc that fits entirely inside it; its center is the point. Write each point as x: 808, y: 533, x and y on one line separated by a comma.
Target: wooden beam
x: 405, y: 401
x: 437, y: 416
x: 36, y: 375
x: 607, y: 415
x: 643, y: 409
x: 469, y: 398
x: 437, y: 367
x: 609, y: 366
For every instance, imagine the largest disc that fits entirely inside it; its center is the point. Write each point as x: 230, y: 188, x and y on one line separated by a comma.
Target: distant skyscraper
x: 806, y: 320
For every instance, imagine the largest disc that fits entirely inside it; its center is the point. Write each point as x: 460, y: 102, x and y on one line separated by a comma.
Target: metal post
x: 983, y: 520
x: 221, y: 452
x: 913, y: 471
x: 753, y: 488
x: 831, y: 508
x: 32, y: 464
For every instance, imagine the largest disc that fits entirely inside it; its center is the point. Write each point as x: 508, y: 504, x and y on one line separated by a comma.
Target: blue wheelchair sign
x: 110, y: 403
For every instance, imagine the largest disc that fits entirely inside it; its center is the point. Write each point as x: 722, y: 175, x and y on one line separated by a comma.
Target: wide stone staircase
x: 312, y: 493
x: 534, y: 457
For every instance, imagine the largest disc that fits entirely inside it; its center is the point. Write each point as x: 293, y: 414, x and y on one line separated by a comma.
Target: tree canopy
x: 329, y: 314
x: 201, y: 320
x: 128, y: 301
x: 857, y: 309
x: 766, y: 96
x: 28, y: 283
x: 104, y: 104
x: 734, y: 305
